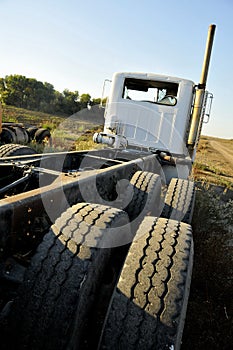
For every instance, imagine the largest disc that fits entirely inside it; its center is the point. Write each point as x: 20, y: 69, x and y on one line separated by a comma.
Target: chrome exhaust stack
x: 200, y: 92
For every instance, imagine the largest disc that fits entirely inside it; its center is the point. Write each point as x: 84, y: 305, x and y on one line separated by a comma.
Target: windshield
x: 150, y: 91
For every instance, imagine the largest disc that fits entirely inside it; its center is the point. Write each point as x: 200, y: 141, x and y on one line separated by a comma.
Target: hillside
x: 65, y: 130
x: 29, y: 118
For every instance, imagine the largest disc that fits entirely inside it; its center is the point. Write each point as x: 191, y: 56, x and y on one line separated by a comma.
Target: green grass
x: 30, y: 118
x: 209, y: 168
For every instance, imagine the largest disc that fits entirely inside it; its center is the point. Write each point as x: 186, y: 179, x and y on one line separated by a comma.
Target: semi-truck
x: 96, y: 247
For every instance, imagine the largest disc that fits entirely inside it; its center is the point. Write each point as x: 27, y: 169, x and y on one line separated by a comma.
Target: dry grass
x: 211, y: 165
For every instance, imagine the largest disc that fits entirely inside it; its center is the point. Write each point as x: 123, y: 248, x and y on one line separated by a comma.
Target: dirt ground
x: 209, y: 321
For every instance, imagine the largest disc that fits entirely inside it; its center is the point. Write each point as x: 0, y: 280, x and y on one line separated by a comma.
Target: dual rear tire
x: 148, y: 305
x: 179, y: 200
x: 60, y: 286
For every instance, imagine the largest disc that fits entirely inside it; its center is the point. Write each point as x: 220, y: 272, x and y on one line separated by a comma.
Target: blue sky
x: 77, y: 44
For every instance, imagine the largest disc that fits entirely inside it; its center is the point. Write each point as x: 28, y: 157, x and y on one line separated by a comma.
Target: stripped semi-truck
x: 96, y: 247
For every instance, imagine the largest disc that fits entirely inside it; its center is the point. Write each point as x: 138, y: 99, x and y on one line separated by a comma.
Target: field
x: 214, y: 161
x: 209, y: 322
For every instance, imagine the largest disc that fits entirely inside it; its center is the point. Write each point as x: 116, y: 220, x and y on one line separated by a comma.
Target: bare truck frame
x: 96, y: 246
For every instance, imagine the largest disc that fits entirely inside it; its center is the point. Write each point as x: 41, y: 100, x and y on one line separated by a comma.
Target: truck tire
x: 14, y: 134
x: 43, y: 136
x: 11, y: 150
x: 148, y: 307
x: 31, y: 132
x: 8, y: 135
x: 179, y: 200
x: 21, y: 135
x: 60, y: 285
x: 146, y: 195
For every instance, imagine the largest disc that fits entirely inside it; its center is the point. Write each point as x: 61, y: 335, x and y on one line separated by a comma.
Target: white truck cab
x: 150, y: 111
x: 157, y: 113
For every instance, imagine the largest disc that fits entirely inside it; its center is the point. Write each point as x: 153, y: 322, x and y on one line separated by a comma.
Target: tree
x: 71, y: 104
x: 13, y: 92
x: 84, y: 100
x: 19, y: 91
x: 95, y: 101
